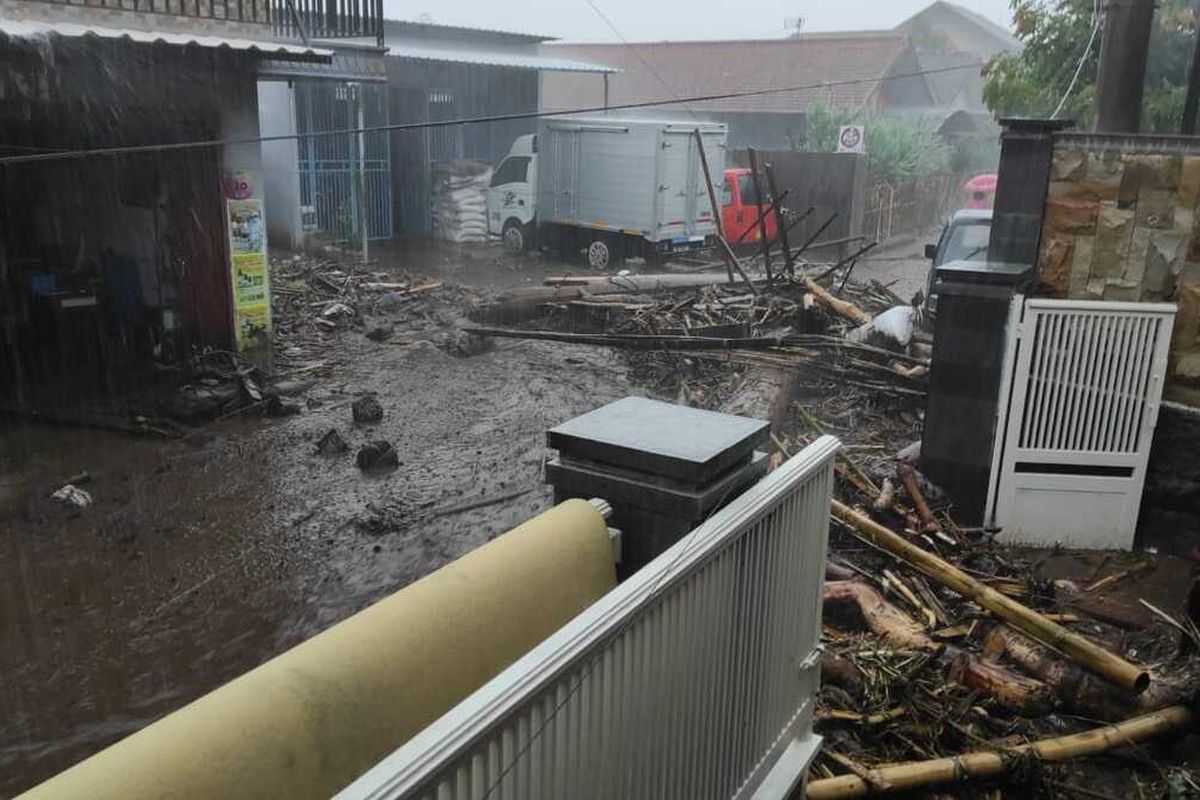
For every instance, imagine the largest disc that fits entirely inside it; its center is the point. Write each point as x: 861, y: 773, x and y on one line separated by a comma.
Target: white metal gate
x: 1077, y: 413
x: 695, y: 678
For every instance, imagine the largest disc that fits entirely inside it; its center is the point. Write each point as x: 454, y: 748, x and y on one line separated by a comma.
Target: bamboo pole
x: 843, y: 307
x: 902, y: 777
x: 1124, y: 674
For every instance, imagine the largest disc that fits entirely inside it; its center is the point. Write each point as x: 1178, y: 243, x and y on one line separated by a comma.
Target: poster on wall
x: 251, y: 290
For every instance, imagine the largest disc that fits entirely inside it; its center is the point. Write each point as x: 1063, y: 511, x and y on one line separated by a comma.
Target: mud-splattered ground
x: 201, y: 559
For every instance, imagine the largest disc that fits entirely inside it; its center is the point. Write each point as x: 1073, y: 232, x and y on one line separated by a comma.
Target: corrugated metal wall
x: 429, y: 91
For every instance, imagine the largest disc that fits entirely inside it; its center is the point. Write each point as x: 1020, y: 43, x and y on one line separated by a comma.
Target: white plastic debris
x: 71, y: 496
x: 894, y: 325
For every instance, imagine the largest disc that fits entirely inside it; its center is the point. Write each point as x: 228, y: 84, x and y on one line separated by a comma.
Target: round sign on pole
x: 850, y: 139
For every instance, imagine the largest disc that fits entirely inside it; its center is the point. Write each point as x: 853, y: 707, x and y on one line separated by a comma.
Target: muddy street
x: 202, y: 558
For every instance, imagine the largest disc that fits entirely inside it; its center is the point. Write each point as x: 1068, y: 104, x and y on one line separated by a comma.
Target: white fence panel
x: 694, y: 678
x: 1077, y: 422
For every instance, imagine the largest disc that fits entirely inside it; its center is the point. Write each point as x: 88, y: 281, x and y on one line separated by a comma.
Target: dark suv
x: 965, y: 238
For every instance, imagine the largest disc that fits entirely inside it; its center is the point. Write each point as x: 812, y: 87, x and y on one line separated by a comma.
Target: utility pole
x: 1123, y: 50
x: 1188, y: 125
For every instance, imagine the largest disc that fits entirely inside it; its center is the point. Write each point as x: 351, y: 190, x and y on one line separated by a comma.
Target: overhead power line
x: 62, y: 155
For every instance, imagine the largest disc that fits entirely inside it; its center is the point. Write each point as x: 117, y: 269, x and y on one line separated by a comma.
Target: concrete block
x: 1095, y: 288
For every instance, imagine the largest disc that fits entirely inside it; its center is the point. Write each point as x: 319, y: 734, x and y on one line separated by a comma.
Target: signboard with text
x: 251, y: 287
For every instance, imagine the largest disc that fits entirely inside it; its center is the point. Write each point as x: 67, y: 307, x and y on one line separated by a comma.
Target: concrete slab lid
x: 661, y: 438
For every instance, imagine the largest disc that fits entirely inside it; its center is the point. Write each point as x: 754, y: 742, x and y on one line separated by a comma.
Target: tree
x: 1054, y: 35
x: 899, y: 148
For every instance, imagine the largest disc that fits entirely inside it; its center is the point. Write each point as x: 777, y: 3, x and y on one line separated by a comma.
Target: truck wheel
x: 514, y: 236
x: 601, y: 253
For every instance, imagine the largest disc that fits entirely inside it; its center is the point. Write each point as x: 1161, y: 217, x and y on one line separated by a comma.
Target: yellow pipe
x: 308, y: 722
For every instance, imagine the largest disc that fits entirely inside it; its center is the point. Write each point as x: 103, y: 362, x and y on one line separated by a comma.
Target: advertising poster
x: 251, y: 290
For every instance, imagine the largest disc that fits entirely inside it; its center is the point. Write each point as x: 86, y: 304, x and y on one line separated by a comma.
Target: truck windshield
x: 512, y: 170
x: 746, y: 190
x: 967, y: 242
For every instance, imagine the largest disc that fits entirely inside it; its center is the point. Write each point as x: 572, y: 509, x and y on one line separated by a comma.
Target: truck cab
x: 741, y: 207
x: 511, y: 195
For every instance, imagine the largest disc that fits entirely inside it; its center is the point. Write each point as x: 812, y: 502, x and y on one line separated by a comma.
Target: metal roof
x: 843, y: 69
x: 33, y: 29
x: 494, y: 58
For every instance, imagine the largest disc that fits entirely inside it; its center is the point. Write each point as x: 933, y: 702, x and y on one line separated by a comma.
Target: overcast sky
x: 656, y: 20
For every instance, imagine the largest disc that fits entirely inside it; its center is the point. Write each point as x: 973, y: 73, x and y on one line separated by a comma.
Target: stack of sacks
x: 459, y: 201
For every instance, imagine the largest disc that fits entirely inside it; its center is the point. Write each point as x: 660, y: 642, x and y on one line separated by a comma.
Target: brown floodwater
x: 202, y: 558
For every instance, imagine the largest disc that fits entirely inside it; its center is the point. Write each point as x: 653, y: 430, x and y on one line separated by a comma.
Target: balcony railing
x: 290, y: 19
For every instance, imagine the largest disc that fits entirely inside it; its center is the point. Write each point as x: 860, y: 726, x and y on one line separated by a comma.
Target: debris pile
x: 459, y: 202
x: 314, y: 298
x: 941, y: 642
x: 788, y: 324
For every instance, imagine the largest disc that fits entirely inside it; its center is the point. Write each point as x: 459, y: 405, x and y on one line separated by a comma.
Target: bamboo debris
x: 843, y: 308
x: 968, y: 766
x: 1115, y: 669
x: 908, y: 476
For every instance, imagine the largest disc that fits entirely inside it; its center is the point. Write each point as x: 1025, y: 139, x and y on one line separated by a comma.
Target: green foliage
x: 898, y: 148
x: 1054, y: 34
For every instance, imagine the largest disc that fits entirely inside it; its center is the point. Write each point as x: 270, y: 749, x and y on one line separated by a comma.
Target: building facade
x: 111, y: 259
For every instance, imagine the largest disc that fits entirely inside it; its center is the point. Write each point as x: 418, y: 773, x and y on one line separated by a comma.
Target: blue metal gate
x: 336, y: 170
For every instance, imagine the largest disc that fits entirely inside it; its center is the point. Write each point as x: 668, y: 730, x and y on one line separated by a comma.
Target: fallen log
x: 1102, y: 662
x: 1077, y: 690
x: 883, y: 618
x: 843, y: 308
x: 968, y: 766
x: 1026, y: 696
x: 635, y: 340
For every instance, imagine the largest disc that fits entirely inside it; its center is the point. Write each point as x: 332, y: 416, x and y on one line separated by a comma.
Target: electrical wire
x: 117, y: 150
x: 658, y: 76
x: 1097, y: 18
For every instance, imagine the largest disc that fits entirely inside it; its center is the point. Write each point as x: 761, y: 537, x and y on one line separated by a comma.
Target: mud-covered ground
x: 202, y: 558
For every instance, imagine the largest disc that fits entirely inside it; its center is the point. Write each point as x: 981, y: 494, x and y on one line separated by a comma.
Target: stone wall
x: 1122, y: 223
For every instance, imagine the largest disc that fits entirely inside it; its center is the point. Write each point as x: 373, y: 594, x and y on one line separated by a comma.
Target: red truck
x: 739, y: 215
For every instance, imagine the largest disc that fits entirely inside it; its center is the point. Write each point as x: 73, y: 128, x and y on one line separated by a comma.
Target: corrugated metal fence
x: 693, y: 679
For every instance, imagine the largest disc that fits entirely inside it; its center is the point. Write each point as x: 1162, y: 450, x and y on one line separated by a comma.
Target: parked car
x: 965, y: 238
x: 614, y: 188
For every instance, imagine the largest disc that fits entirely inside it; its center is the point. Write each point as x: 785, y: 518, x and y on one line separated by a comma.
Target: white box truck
x: 613, y: 188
